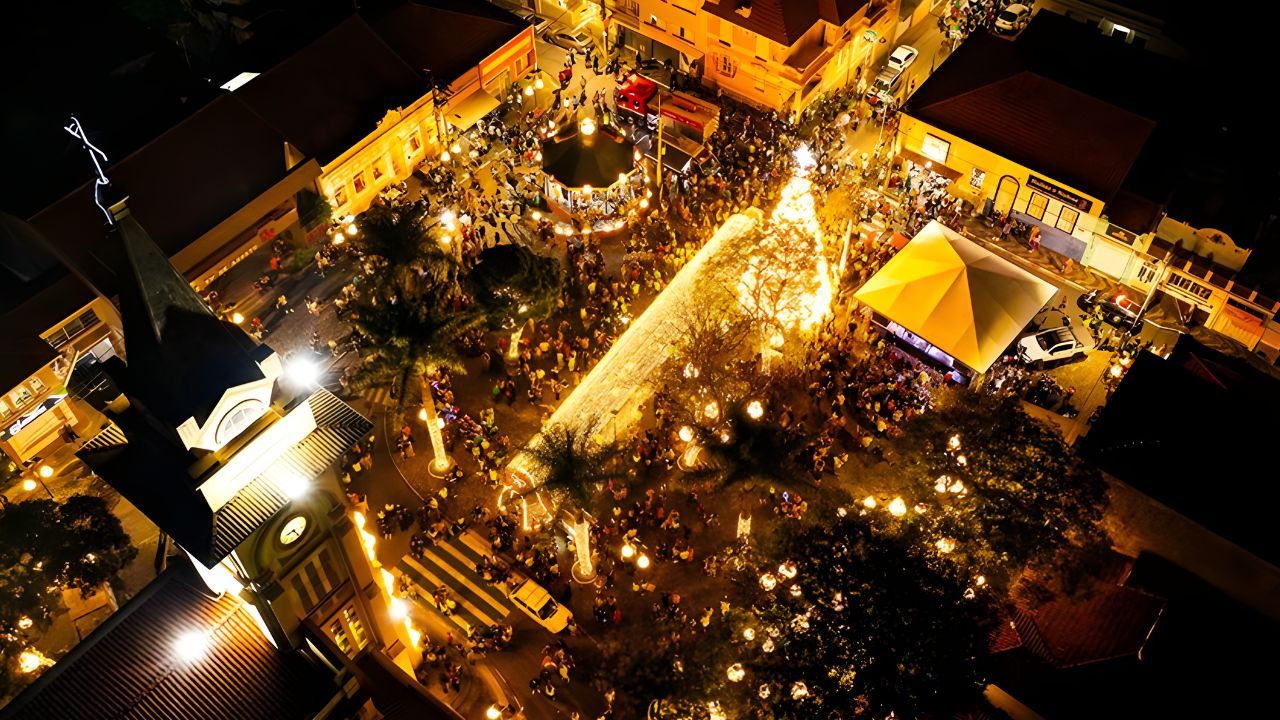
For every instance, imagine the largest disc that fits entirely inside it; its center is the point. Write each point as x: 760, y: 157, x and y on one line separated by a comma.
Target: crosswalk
x: 378, y: 397
x: 452, y: 563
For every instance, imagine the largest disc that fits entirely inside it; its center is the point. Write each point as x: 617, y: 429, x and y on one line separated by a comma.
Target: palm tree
x: 412, y: 339
x: 406, y: 258
x: 566, y: 462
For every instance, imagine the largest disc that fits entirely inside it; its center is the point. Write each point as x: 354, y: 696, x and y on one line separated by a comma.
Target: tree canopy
x: 46, y: 546
x: 512, y: 284
x: 570, y: 463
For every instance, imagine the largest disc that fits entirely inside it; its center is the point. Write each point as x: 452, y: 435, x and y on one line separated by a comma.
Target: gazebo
x: 589, y: 174
x: 953, y: 300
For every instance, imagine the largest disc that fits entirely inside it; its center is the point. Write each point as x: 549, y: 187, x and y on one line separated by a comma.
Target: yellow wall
x: 388, y: 149
x: 964, y: 156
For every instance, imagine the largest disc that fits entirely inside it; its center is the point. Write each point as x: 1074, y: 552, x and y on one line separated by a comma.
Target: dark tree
x: 878, y: 627
x: 514, y: 285
x: 567, y: 462
x: 1024, y: 500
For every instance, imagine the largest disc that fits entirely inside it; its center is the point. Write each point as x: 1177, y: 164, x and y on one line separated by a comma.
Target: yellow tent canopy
x: 956, y: 295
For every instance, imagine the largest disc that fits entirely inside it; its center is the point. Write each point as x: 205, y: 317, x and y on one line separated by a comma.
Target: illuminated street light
x: 493, y: 712
x: 755, y: 410
x: 897, y: 507
x: 869, y: 502
x: 528, y: 90
x: 768, y: 581
x: 537, y: 216
x: 455, y: 148
x: 445, y: 156
x: 736, y: 672
x: 686, y: 433
x: 294, y: 486
x: 46, y: 472
x: 237, y: 318
x: 628, y: 551
x: 29, y: 484
x: 587, y: 126
x: 397, y: 609
x: 642, y: 561
x: 945, y: 545
x: 954, y: 442
x: 749, y: 634
x: 352, y: 229
x: 538, y: 83
x: 788, y: 569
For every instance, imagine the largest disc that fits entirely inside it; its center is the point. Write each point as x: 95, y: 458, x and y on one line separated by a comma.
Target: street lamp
x: 46, y: 472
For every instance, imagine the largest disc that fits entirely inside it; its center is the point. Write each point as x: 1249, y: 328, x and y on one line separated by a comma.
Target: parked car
x: 1119, y: 310
x: 1060, y: 343
x: 538, y: 22
x: 1012, y: 19
x: 885, y: 86
x: 576, y: 40
x: 538, y: 604
x: 902, y: 57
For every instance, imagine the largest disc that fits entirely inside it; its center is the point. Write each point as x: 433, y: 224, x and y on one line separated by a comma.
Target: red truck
x: 639, y: 97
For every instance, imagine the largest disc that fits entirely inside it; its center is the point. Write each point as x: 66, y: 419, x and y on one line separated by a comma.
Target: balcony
x: 805, y: 63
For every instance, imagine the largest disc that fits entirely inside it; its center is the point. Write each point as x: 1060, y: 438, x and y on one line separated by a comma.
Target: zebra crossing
x: 452, y: 563
x: 378, y: 397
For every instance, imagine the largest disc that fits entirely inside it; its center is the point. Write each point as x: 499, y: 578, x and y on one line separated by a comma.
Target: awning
x: 469, y: 110
x: 934, y: 165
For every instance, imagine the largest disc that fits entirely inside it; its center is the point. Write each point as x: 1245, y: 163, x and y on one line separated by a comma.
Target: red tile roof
x: 783, y: 21
x: 988, y: 93
x: 1114, y: 622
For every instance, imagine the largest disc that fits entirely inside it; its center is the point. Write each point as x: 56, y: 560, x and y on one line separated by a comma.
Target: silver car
x: 576, y: 40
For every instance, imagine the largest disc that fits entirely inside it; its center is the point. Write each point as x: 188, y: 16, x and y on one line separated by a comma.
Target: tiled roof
x: 1113, y: 621
x: 128, y: 668
x: 333, y: 92
x: 1009, y: 100
x: 782, y: 21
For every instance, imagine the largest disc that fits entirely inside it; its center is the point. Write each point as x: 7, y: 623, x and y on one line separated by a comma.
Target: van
x: 885, y: 86
x: 538, y: 604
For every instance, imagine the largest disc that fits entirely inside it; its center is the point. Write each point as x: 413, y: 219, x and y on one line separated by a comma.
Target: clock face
x: 293, y: 530
x: 237, y: 419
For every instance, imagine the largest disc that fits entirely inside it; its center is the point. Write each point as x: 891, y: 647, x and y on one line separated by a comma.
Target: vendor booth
x: 953, y: 300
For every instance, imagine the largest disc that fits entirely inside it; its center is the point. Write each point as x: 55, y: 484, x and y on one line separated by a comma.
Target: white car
x: 1060, y: 343
x: 538, y: 604
x: 1012, y: 19
x: 577, y: 40
x: 902, y: 57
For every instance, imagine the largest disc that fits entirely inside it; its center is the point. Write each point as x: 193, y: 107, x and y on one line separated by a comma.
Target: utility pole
x: 659, y: 147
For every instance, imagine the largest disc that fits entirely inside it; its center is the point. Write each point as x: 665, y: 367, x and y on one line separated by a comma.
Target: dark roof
x: 1012, y: 99
x: 23, y: 351
x: 446, y: 37
x: 181, y: 185
x: 334, y: 91
x: 783, y: 21
x: 124, y: 82
x: 128, y: 668
x: 579, y: 160
x: 151, y: 472
x: 1187, y: 432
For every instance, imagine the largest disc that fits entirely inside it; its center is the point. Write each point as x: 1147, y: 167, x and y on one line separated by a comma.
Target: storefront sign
x: 1115, y: 232
x: 935, y: 148
x: 31, y: 416
x: 1061, y: 194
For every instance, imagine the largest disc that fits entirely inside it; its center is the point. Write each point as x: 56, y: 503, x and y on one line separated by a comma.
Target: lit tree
x: 1012, y: 494
x: 46, y: 546
x: 786, y: 284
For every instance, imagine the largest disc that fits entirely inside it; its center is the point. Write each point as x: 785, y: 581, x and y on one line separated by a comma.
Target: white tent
x: 956, y: 295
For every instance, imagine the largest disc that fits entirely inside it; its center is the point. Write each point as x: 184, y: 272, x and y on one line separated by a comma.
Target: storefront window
x: 1067, y: 219
x: 1035, y: 208
x: 20, y: 396
x: 358, y: 181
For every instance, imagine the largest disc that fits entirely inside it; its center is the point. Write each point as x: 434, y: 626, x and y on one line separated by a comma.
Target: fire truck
x: 687, y: 122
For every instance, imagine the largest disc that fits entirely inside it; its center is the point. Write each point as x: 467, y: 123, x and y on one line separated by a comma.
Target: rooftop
x: 130, y: 666
x: 445, y: 38
x: 782, y: 21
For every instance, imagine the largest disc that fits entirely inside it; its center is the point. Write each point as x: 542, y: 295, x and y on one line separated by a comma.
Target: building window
x: 352, y: 620
x: 64, y: 334
x: 339, y: 635
x: 357, y: 181
x: 1189, y: 286
x: 1067, y: 219
x: 935, y: 148
x: 340, y: 197
x: 1146, y: 273
x: 680, y: 31
x: 726, y: 66
x: 20, y: 396
x: 5, y: 411
x: 237, y: 419
x: 976, y: 178
x: 37, y: 385
x: 377, y: 171
x: 522, y: 62
x: 1036, y: 206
